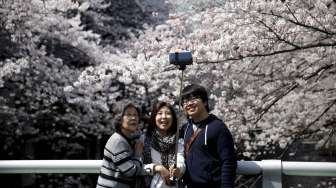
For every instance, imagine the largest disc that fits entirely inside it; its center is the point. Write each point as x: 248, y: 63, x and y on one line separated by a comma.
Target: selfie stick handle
x: 177, y: 135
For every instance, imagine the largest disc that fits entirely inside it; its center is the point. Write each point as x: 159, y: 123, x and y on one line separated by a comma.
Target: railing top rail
x: 93, y: 166
x: 49, y: 166
x: 293, y: 168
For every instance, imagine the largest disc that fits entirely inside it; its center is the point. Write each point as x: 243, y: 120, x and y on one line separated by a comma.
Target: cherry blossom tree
x: 59, y: 87
x: 270, y: 65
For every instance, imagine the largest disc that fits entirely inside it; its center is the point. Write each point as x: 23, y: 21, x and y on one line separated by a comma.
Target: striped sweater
x: 120, y: 166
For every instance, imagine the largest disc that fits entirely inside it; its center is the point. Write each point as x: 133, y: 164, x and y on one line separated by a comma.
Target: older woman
x: 122, y: 156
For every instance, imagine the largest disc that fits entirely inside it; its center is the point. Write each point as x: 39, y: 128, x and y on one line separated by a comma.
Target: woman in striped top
x: 122, y: 162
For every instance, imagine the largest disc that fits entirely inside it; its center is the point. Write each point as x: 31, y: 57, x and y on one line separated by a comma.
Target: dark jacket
x: 211, y: 160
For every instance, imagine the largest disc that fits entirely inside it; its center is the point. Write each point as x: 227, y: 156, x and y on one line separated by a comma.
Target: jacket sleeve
x: 122, y: 157
x: 225, y: 148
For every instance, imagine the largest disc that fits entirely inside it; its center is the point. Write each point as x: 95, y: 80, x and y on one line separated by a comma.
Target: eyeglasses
x: 191, y: 100
x: 130, y: 115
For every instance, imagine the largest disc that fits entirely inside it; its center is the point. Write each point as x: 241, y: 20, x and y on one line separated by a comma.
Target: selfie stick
x: 182, y: 64
x: 177, y: 135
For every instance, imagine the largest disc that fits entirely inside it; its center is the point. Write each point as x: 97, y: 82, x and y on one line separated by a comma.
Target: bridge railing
x: 271, y: 170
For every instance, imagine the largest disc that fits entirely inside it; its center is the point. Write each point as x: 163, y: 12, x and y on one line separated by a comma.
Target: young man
x: 208, y: 143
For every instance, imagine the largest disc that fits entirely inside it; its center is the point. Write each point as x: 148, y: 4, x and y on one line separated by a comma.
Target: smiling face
x: 195, y: 107
x: 164, y: 119
x: 130, y: 120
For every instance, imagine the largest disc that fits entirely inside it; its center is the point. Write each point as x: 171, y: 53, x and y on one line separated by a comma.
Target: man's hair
x: 155, y: 109
x: 195, y: 90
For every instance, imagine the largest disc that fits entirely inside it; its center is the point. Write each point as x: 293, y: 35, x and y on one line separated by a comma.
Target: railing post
x: 272, y: 171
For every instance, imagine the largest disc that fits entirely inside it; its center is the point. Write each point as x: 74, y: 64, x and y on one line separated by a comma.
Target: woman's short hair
x: 123, y: 108
x: 155, y: 109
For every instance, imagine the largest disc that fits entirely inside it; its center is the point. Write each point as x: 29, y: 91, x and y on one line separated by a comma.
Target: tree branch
x: 292, y: 13
x: 305, y: 130
x: 317, y: 45
x: 278, y: 36
x: 300, y: 24
x: 291, y: 88
x: 268, y: 107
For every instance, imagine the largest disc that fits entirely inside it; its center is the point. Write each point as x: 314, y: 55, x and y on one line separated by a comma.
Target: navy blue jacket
x: 211, y: 160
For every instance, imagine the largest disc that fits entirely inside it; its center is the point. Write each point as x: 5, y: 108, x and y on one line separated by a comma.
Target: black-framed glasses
x: 191, y: 100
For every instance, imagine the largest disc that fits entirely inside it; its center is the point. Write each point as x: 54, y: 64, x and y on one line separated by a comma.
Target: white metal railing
x: 271, y: 170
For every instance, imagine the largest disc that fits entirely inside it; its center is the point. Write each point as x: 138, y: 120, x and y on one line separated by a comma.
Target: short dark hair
x: 195, y: 90
x: 155, y: 109
x: 123, y: 108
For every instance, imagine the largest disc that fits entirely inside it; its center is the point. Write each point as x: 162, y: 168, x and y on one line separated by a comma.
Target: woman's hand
x: 164, y: 173
x: 174, y: 171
